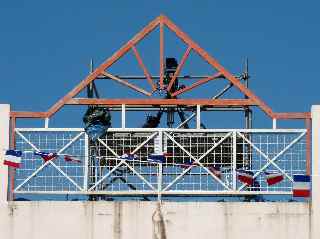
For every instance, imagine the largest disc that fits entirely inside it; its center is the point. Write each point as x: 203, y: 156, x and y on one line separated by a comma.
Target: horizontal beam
x: 28, y: 114
x: 156, y: 77
x: 156, y: 102
x: 150, y: 193
x: 293, y: 115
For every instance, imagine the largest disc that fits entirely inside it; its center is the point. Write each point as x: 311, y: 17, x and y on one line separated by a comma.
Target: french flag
x: 215, y: 171
x: 157, y: 158
x: 273, y: 177
x: 245, y: 176
x: 301, y: 186
x: 12, y: 158
x: 70, y: 158
x: 187, y: 164
x: 46, y: 156
x: 129, y: 156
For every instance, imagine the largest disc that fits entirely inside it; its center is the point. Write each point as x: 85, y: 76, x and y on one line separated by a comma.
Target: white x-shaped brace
x: 123, y: 161
x: 197, y: 161
x: 270, y: 161
x: 50, y: 161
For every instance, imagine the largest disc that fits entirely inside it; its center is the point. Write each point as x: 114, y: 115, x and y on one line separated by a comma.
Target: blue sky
x: 46, y: 46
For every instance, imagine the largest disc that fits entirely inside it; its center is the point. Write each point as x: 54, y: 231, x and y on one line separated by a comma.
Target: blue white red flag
x: 129, y: 156
x: 215, y: 171
x: 157, y: 158
x: 245, y: 176
x: 12, y: 158
x: 301, y: 186
x: 46, y: 156
x: 70, y: 158
x: 273, y: 177
x: 187, y: 164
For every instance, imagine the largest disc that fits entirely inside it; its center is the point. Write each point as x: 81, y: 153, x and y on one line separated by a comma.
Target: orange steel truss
x: 161, y: 21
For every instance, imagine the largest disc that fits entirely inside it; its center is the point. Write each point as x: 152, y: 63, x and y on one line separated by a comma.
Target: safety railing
x: 197, y: 161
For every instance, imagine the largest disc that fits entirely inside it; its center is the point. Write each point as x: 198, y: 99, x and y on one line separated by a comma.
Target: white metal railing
x: 102, y: 171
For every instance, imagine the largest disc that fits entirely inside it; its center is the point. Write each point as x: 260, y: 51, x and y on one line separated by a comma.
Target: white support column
x: 123, y: 116
x: 4, y: 144
x: 46, y: 123
x: 159, y: 149
x: 274, y: 123
x: 86, y: 163
x: 234, y: 160
x: 315, y: 179
x: 198, y: 117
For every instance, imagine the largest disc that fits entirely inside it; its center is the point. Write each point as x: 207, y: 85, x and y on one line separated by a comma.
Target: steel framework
x: 103, y: 172
x: 278, y: 149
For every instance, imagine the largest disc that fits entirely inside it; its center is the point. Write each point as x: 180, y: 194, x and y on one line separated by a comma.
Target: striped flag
x: 70, y: 158
x: 301, y: 186
x: 157, y: 158
x: 46, y: 156
x: 215, y: 171
x: 129, y: 156
x: 12, y: 158
x: 245, y: 176
x: 273, y: 177
x: 187, y: 164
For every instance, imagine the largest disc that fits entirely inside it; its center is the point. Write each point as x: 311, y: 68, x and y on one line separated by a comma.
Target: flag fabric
x: 245, y: 176
x: 273, y: 177
x: 129, y: 156
x: 215, y: 171
x: 70, y: 158
x: 301, y: 186
x: 187, y: 164
x: 12, y: 158
x: 157, y: 158
x: 46, y: 156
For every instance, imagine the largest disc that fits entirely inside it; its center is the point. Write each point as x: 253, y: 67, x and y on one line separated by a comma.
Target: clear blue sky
x: 46, y: 46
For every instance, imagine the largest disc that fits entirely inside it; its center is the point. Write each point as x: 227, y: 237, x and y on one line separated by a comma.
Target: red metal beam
x: 161, y: 53
x: 198, y: 83
x: 217, y: 65
x: 293, y: 115
x: 156, y: 102
x: 183, y: 60
x: 116, y: 56
x: 136, y: 88
x: 28, y: 114
x: 145, y: 71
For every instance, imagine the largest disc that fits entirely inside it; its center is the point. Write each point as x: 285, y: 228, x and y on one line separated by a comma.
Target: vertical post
x: 123, y: 116
x: 46, y: 123
x: 198, y: 117
x: 308, y: 146
x: 274, y: 123
x: 315, y: 192
x: 234, y: 160
x: 159, y: 146
x: 12, y: 145
x: 4, y: 144
x: 161, y: 55
x: 86, y: 162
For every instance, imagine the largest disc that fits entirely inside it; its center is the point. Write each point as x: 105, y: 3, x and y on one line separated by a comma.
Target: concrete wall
x: 93, y: 220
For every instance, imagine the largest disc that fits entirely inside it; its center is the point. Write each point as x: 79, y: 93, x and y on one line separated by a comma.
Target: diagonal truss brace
x: 50, y: 161
x: 273, y: 160
x: 123, y: 161
x: 197, y: 161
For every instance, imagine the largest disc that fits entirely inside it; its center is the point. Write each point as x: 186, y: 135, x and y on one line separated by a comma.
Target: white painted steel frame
x: 167, y: 132
x: 49, y: 162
